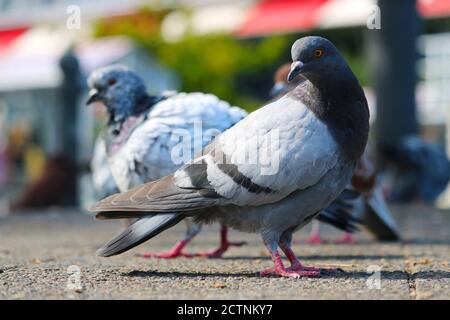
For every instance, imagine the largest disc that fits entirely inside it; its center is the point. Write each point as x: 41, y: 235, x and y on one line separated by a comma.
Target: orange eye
x: 111, y: 82
x: 318, y: 53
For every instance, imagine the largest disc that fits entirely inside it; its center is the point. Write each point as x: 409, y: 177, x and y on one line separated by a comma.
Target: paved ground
x: 41, y: 253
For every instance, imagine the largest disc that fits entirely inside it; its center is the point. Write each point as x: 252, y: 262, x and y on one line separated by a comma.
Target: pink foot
x: 303, y: 271
x: 223, y: 247
x: 165, y: 255
x: 220, y: 250
x: 295, y: 271
x: 314, y: 239
x: 347, y: 238
x: 288, y: 273
x: 175, y: 252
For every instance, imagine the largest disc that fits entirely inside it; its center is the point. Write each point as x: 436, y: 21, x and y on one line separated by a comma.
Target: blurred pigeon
x: 102, y: 178
x: 362, y: 202
x: 423, y: 169
x: 309, y: 142
x: 148, y: 137
x: 280, y: 84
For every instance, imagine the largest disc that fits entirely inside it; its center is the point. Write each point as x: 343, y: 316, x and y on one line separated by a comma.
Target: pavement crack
x: 411, y: 278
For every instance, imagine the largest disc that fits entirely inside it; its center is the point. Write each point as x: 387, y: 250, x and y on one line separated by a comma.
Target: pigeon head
x: 121, y: 90
x: 316, y: 59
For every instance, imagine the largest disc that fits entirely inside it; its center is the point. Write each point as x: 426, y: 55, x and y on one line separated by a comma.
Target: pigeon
x: 361, y: 203
x: 102, y: 178
x: 142, y: 138
x: 271, y: 173
x: 422, y: 169
x: 338, y: 214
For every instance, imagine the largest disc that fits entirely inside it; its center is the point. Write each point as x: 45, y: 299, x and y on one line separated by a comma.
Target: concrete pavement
x: 52, y: 256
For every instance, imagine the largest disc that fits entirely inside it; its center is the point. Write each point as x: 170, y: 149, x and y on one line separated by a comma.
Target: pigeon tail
x: 339, y: 213
x: 140, y: 231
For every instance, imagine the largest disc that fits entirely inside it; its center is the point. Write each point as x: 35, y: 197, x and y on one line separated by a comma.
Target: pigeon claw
x: 291, y: 273
x: 175, y: 252
x: 165, y: 255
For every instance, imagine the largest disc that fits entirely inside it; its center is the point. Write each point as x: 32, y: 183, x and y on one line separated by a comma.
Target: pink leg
x: 347, y: 238
x: 296, y: 266
x: 175, y: 252
x: 223, y: 247
x: 280, y: 270
x: 314, y: 236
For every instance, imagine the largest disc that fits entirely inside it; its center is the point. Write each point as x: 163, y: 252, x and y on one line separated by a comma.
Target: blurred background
x: 399, y: 50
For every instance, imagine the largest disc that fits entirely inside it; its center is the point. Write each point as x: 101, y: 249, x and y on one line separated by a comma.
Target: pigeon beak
x: 296, y: 67
x: 94, y: 96
x: 277, y: 89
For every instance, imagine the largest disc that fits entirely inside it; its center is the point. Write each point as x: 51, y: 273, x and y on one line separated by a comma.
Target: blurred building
x: 33, y: 39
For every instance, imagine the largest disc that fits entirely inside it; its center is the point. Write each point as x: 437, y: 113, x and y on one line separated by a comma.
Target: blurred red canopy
x: 280, y: 16
x: 284, y: 16
x: 8, y: 36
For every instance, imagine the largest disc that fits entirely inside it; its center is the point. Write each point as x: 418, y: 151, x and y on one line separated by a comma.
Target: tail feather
x: 379, y: 220
x: 340, y: 213
x: 140, y: 231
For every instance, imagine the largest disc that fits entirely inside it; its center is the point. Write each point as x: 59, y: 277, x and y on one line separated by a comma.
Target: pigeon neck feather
x: 342, y: 106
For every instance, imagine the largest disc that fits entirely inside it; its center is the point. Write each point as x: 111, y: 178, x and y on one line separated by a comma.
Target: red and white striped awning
x: 29, y: 58
x: 8, y: 36
x: 284, y: 16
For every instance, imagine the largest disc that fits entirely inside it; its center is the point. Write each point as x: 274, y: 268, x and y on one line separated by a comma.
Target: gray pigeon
x: 361, y: 203
x: 271, y: 173
x: 149, y: 137
x: 102, y: 179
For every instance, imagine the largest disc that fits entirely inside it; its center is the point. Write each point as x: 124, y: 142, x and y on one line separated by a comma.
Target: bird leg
x: 314, y: 236
x: 175, y: 252
x: 347, y: 238
x: 225, y: 244
x: 296, y: 270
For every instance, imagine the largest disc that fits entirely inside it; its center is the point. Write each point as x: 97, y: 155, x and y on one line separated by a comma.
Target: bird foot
x: 314, y: 239
x: 303, y: 271
x: 346, y: 239
x: 171, y: 254
x: 175, y: 252
x: 218, y: 253
x: 291, y: 272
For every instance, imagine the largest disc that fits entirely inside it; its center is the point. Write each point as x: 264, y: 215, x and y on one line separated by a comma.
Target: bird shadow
x: 320, y: 257
x: 335, y: 274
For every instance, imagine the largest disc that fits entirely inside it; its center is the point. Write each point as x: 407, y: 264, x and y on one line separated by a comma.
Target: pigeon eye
x: 111, y: 82
x: 318, y: 53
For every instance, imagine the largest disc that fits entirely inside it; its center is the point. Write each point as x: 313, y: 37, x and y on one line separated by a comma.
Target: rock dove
x: 422, y: 169
x: 102, y: 178
x: 271, y: 173
x: 141, y: 141
x: 339, y: 213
